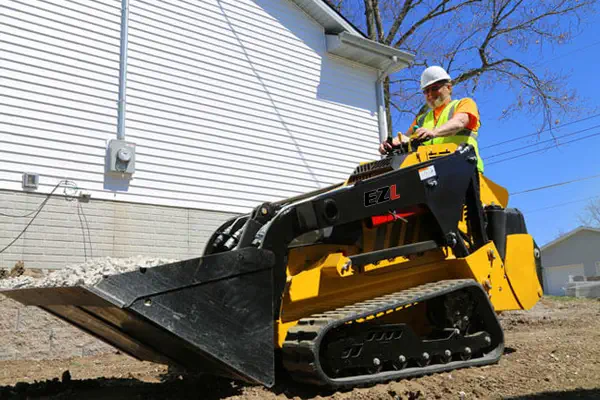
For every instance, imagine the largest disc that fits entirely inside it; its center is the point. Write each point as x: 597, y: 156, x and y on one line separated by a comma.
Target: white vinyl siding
x: 230, y: 102
x: 59, y: 68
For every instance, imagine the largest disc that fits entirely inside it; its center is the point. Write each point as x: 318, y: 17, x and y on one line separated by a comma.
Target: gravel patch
x: 88, y: 273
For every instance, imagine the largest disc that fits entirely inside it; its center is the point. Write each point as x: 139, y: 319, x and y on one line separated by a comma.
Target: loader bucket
x: 211, y: 314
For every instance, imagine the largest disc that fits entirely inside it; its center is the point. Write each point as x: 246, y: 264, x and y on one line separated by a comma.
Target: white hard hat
x: 432, y: 75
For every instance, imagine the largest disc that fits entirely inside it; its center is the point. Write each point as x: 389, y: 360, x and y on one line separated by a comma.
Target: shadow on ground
x: 587, y: 394
x: 206, y: 388
x: 121, y: 389
x: 172, y: 387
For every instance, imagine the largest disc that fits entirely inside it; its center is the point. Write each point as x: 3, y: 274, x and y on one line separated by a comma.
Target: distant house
x: 575, y: 254
x: 229, y: 103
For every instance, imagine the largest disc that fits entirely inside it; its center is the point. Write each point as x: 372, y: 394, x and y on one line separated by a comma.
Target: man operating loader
x: 446, y: 121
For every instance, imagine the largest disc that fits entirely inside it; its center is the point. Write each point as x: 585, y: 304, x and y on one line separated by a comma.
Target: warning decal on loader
x: 426, y: 173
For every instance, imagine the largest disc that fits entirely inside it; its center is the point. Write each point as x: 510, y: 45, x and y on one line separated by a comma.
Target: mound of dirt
x: 17, y: 270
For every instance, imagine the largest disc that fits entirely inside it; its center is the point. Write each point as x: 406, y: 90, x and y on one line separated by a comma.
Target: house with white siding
x: 208, y: 107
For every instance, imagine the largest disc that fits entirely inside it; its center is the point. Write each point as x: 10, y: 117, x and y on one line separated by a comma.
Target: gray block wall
x: 29, y: 333
x: 60, y: 236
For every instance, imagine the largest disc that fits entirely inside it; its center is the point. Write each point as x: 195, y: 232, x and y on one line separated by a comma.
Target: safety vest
x: 427, y: 121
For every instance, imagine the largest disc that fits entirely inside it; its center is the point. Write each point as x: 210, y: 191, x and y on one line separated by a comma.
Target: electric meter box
x: 120, y: 157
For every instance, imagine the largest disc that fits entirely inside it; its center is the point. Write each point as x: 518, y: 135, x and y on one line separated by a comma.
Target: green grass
x: 565, y: 298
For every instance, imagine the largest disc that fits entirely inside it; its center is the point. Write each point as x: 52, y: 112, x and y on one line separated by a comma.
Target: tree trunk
x: 370, y: 14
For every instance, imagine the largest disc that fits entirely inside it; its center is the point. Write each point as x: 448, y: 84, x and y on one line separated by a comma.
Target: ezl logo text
x: 381, y: 195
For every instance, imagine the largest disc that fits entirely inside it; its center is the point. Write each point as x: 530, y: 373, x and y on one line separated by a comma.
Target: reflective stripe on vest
x: 427, y: 121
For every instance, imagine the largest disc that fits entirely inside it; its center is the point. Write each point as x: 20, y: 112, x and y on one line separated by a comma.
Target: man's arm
x: 456, y: 124
x: 466, y: 117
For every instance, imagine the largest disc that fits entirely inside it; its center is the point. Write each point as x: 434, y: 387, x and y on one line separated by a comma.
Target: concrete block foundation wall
x: 60, y: 236
x: 69, y: 232
x: 29, y: 333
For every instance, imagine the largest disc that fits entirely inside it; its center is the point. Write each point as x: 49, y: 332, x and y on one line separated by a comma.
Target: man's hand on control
x: 422, y: 134
x: 386, y: 147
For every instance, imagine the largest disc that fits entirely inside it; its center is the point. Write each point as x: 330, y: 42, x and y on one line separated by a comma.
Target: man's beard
x: 436, y: 103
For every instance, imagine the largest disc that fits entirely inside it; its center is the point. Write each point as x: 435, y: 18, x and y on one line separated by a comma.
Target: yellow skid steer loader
x: 399, y: 271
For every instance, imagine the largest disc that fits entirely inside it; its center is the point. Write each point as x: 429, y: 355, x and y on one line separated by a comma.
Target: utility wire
x: 87, y: 225
x: 568, y: 54
x: 560, y: 205
x: 545, y: 141
x: 81, y: 213
x: 537, y: 133
x: 68, y: 184
x: 82, y: 231
x: 555, y: 185
x: 544, y: 149
x: 42, y: 204
x: 37, y: 211
x: 71, y: 198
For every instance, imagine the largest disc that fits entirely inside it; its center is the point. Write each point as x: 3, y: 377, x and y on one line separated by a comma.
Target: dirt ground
x: 552, y: 351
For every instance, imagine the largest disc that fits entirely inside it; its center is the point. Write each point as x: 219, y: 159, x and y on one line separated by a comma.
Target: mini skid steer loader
x: 397, y: 272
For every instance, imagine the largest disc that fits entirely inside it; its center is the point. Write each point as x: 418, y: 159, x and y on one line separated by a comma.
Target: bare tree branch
x: 480, y: 43
x: 497, y: 18
x: 458, y: 47
x: 440, y: 9
x: 337, y: 4
x: 529, y: 23
x: 591, y: 214
x: 406, y: 7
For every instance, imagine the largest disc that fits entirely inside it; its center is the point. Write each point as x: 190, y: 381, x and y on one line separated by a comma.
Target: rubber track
x: 301, y: 347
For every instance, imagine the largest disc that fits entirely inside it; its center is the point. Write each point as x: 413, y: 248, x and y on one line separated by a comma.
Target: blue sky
x: 580, y: 60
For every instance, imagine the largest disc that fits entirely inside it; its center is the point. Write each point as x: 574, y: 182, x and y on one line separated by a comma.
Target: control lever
x: 414, y: 142
x: 408, y: 147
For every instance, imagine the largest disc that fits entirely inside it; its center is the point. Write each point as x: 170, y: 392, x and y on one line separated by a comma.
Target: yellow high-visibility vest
x: 427, y: 121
